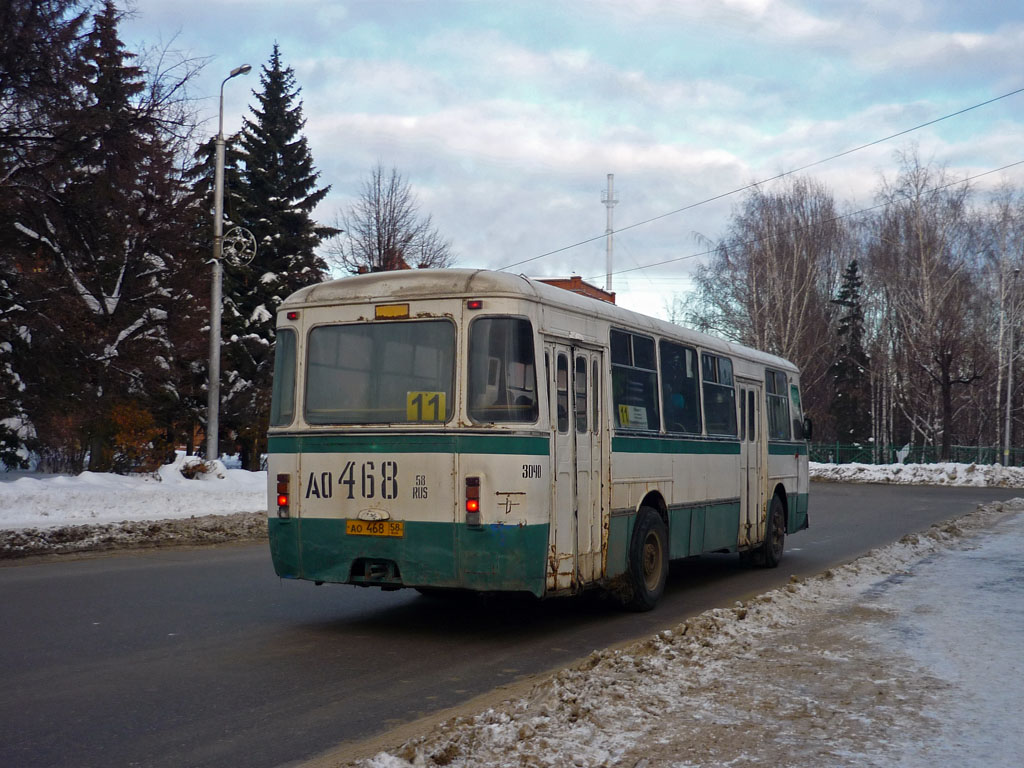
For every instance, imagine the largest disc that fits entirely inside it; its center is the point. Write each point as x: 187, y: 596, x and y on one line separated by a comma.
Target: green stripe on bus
x: 673, y: 445
x: 410, y: 443
x: 786, y: 449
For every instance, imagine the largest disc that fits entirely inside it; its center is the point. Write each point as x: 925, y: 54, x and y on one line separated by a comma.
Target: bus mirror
x: 808, y: 429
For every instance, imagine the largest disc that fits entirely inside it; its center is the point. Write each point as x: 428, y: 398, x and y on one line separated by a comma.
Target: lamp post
x: 1009, y: 372
x: 213, y: 395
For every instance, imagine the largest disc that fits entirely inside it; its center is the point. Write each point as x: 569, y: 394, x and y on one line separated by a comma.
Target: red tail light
x: 283, y: 507
x: 472, y: 501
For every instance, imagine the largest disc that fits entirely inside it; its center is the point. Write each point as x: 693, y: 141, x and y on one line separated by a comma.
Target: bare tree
x: 384, y: 231
x: 770, y: 282
x: 925, y: 251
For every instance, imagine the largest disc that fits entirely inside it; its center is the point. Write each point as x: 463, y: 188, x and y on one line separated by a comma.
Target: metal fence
x: 838, y: 453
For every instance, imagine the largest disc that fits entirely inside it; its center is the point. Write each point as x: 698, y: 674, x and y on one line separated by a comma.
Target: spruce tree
x: 106, y: 267
x: 277, y: 195
x: 851, y: 403
x: 39, y: 52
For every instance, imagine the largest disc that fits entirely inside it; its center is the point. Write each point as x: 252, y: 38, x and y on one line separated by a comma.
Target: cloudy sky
x: 506, y: 116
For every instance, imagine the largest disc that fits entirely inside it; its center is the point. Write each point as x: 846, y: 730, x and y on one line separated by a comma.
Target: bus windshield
x: 380, y: 373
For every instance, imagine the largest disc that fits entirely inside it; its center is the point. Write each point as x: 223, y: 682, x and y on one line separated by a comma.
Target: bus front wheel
x: 648, y: 560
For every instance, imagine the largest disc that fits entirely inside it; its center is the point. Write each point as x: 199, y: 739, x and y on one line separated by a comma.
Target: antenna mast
x: 608, y: 198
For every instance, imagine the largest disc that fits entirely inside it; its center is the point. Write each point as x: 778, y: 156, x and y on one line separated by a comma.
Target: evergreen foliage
x: 276, y: 194
x: 851, y: 405
x: 100, y: 236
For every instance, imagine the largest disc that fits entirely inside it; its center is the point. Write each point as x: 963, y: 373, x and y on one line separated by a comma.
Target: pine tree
x: 851, y: 401
x: 39, y: 51
x: 277, y: 195
x: 106, y: 265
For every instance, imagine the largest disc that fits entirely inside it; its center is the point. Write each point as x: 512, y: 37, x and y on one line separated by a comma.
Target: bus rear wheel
x: 648, y: 560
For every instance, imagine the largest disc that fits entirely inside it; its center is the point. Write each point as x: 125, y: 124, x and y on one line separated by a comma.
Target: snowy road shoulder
x: 817, y: 673
x: 948, y: 473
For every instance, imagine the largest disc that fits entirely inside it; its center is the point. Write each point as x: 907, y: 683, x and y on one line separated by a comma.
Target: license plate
x: 393, y: 528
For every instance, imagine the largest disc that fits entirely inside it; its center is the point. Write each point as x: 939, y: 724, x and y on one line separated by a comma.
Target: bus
x: 459, y: 429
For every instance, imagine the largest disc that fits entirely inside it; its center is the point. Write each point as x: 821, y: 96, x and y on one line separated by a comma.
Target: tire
x: 648, y: 560
x: 775, y: 535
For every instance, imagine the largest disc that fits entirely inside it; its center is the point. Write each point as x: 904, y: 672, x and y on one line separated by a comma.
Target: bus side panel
x: 499, y: 557
x: 721, y: 526
x: 681, y: 521
x: 620, y: 529
x: 798, y: 520
x: 787, y: 464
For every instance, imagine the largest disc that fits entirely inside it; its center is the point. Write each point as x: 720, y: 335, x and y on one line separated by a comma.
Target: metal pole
x: 213, y: 394
x: 609, y: 202
x: 1009, y: 372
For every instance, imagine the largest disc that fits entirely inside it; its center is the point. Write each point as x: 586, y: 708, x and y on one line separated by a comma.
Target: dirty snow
x: 908, y: 656
x: 42, y: 514
x: 921, y: 474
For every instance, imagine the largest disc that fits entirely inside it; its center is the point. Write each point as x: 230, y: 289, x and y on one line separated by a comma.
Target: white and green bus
x: 475, y: 430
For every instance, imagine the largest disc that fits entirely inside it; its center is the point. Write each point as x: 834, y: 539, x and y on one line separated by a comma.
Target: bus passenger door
x: 587, y: 420
x: 574, y: 555
x: 752, y: 439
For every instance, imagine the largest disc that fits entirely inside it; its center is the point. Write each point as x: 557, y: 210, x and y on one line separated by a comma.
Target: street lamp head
x: 245, y: 69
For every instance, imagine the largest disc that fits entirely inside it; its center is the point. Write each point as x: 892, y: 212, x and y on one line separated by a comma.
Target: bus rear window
x: 380, y: 373
x: 502, y: 371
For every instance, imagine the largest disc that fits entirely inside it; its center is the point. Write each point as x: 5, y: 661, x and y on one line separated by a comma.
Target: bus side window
x: 580, y: 391
x: 778, y: 405
x: 719, y: 395
x: 502, y: 376
x: 634, y: 381
x: 679, y: 390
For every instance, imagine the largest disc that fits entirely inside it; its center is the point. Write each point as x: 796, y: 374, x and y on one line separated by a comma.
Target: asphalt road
x: 202, y: 657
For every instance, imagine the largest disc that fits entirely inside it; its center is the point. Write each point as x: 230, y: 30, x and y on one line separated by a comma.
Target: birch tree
x: 771, y: 279
x: 925, y: 250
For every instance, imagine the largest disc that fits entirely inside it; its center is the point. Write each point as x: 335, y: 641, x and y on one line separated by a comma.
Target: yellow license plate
x: 394, y: 528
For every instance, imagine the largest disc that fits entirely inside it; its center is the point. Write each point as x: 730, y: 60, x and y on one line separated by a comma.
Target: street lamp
x: 1009, y: 374
x: 213, y: 398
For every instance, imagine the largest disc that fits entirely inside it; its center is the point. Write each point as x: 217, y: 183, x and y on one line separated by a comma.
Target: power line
x: 840, y: 217
x: 765, y: 181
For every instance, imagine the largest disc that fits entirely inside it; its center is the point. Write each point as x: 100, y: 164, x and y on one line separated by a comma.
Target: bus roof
x: 406, y: 285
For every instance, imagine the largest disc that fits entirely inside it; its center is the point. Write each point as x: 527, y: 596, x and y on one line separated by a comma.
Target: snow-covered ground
x: 921, y: 474
x: 28, y: 500
x: 42, y: 514
x: 909, y: 656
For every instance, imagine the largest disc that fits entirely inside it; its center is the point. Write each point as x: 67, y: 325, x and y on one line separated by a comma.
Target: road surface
x: 202, y: 657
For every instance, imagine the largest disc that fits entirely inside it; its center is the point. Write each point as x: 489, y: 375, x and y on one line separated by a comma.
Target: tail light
x: 283, y: 496
x: 472, y: 501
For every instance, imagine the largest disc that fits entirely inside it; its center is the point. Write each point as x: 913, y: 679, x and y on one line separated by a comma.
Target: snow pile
x: 921, y: 474
x: 27, y: 500
x: 777, y: 679
x: 185, y: 502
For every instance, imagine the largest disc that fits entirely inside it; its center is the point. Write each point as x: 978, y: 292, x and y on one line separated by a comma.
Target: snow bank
x: 921, y: 474
x: 779, y: 679
x: 91, y: 498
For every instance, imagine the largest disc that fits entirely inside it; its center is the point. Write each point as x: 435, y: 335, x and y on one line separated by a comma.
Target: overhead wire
x: 818, y: 223
x: 754, y: 184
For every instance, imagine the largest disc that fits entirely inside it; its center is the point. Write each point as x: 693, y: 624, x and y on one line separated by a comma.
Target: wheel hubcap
x: 652, y: 562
